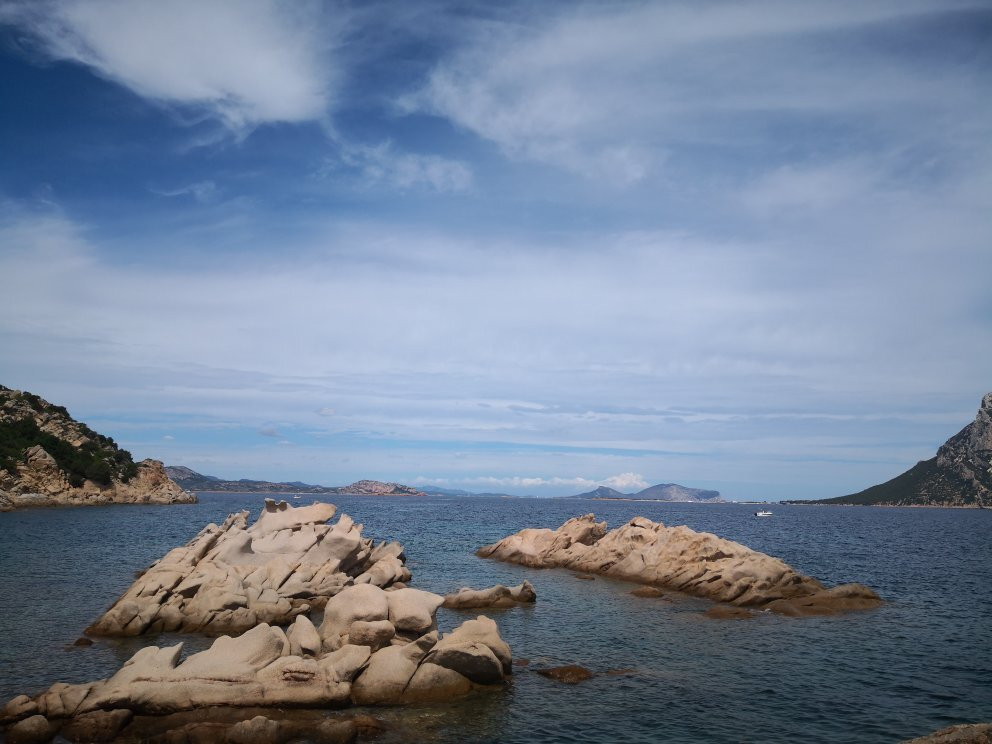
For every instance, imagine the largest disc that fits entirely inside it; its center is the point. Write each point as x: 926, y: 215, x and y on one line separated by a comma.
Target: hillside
x: 47, y: 458
x: 959, y: 475
x: 193, y: 481
x: 660, y: 492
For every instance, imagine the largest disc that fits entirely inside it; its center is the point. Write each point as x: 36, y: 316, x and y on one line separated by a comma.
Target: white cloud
x: 610, y: 91
x: 245, y: 62
x: 384, y: 164
x: 325, y: 411
x: 626, y: 482
x: 203, y: 192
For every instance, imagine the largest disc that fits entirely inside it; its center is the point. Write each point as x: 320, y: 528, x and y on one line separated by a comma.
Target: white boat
x: 762, y: 514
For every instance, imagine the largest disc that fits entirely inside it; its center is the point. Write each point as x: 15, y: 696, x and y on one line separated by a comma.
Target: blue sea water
x: 665, y: 673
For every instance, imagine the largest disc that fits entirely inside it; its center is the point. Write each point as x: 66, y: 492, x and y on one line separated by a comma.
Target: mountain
x: 959, y: 475
x: 660, y: 492
x: 47, y: 458
x: 603, y: 492
x: 194, y: 481
x: 675, y: 492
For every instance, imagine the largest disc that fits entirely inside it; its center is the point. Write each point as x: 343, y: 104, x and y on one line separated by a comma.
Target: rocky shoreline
x: 377, y: 644
x: 680, y: 559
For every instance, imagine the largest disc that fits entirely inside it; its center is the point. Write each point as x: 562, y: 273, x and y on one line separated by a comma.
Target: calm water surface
x: 922, y: 662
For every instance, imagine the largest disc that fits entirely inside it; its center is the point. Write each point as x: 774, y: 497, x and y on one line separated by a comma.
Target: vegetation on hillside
x: 99, y: 459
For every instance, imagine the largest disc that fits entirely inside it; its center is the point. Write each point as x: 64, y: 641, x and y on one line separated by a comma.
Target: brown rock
x: 965, y: 733
x: 728, y: 612
x: 570, y: 674
x: 32, y: 730
x: 82, y: 642
x: 648, y: 591
x: 98, y: 726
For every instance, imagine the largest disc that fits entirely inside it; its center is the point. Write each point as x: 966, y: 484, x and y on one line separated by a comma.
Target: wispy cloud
x: 243, y: 62
x: 384, y: 164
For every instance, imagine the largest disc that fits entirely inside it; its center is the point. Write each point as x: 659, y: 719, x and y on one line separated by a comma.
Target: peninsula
x: 47, y: 458
x: 193, y: 481
x: 960, y: 474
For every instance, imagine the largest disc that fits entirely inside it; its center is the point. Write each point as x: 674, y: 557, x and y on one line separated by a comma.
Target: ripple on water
x: 921, y: 662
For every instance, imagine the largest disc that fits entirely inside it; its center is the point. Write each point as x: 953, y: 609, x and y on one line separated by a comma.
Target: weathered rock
x: 360, y: 602
x: 303, y: 637
x: 648, y: 591
x: 681, y: 559
x: 232, y: 577
x: 32, y: 730
x: 412, y: 610
x: 372, y: 633
x: 261, y: 669
x: 965, y: 733
x: 495, y: 596
x: 98, y: 726
x: 570, y: 674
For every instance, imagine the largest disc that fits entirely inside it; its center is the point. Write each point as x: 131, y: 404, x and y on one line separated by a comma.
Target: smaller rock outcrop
x: 346, y: 662
x: 232, y: 577
x: 497, y: 596
x: 681, y: 559
x: 965, y: 733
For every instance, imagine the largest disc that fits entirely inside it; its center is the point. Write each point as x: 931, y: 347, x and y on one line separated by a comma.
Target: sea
x: 663, y: 671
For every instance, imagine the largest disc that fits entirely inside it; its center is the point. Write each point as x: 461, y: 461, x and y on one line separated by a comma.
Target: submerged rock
x: 267, y: 667
x: 495, y: 596
x: 232, y: 577
x: 681, y: 559
x: 570, y: 674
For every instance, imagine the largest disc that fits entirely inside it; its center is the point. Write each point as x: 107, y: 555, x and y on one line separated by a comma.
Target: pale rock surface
x: 232, y: 577
x: 267, y: 667
x: 497, y: 596
x: 681, y: 559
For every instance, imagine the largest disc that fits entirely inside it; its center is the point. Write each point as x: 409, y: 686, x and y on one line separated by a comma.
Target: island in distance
x: 959, y: 475
x: 193, y: 481
x: 660, y: 492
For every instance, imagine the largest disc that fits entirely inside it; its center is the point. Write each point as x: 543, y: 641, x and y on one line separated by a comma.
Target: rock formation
x: 267, y: 667
x: 681, y: 559
x: 660, y: 492
x: 47, y: 458
x: 497, y: 596
x: 959, y: 475
x: 232, y: 577
x: 965, y: 733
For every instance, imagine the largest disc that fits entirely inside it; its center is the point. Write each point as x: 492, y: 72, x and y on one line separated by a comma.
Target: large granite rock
x: 93, y: 469
x: 234, y: 576
x: 682, y: 559
x: 268, y: 667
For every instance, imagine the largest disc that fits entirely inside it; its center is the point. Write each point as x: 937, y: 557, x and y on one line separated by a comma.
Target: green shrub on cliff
x: 99, y: 459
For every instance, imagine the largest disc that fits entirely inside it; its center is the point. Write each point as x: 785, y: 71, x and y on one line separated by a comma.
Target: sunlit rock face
x: 232, y: 577
x: 681, y: 559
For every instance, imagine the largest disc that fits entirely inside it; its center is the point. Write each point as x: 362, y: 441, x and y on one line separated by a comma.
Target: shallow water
x: 922, y: 662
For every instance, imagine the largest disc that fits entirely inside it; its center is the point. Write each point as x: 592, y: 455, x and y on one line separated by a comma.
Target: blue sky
x: 532, y: 248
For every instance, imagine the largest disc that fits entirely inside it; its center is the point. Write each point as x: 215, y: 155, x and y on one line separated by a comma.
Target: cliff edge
x: 959, y: 475
x: 47, y: 458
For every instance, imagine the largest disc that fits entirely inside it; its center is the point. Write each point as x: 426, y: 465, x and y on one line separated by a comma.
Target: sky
x: 520, y: 247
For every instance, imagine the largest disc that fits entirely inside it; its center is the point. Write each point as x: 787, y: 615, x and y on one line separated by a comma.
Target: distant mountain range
x: 959, y: 475
x: 193, y: 481
x: 660, y: 492
x: 438, y: 491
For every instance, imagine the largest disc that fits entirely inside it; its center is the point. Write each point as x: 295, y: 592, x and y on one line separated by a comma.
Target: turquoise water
x: 922, y: 662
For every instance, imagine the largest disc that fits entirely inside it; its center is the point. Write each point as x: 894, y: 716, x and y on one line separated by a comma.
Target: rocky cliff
x: 959, y: 475
x: 47, y: 458
x: 193, y: 481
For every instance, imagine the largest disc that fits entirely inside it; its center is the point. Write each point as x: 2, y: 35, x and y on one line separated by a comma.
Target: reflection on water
x: 921, y: 662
